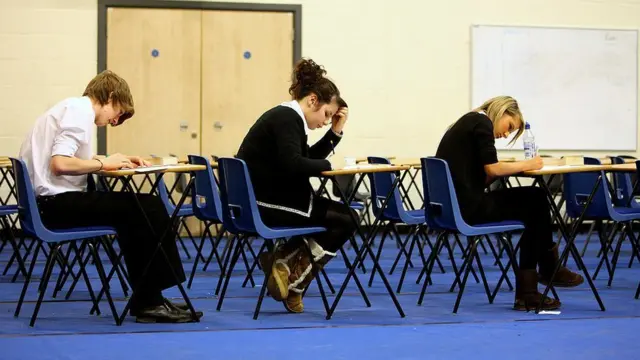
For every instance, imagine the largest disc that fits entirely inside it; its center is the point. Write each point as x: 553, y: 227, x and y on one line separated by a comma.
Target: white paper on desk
x: 152, y: 168
x: 555, y: 167
x: 364, y: 166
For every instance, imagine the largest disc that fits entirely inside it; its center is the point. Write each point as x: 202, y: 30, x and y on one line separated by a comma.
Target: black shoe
x: 183, y: 307
x: 162, y: 314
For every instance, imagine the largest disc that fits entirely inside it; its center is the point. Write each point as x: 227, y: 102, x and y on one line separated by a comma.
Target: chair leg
x: 499, y: 263
x: 27, y: 280
x: 234, y: 260
x: 402, y: 245
x: 254, y: 265
x: 466, y: 275
x: 199, y: 251
x: 604, y: 247
x: 429, y: 266
x: 510, y: 263
x: 103, y: 280
x: 414, y: 240
x: 263, y: 289
x: 225, y: 263
x: 214, y: 247
x: 379, y: 252
x: 48, y: 269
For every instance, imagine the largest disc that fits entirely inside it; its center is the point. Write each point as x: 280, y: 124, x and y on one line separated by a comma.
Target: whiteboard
x: 578, y: 88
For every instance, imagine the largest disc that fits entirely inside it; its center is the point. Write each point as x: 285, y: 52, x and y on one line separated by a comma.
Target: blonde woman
x: 468, y: 147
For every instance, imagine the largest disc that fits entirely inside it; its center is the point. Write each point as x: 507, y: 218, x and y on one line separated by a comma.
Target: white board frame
x: 502, y: 144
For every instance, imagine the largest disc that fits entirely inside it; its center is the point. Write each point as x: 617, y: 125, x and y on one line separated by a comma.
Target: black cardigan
x: 280, y: 162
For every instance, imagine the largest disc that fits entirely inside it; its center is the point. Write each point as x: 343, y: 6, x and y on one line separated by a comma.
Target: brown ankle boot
x: 527, y: 295
x: 283, y: 268
x: 293, y: 302
x: 564, y: 277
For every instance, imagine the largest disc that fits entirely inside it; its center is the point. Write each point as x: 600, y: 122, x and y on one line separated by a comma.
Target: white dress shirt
x: 66, y: 129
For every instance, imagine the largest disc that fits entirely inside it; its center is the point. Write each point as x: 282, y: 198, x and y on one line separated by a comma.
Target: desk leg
x: 361, y: 254
x: 570, y: 236
x: 159, y: 247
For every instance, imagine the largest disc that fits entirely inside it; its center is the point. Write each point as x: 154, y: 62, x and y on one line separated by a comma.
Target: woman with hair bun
x: 280, y: 164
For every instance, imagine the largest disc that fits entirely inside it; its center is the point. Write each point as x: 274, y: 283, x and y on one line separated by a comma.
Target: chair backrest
x: 381, y: 183
x: 28, y: 213
x: 239, y: 206
x: 578, y: 187
x: 205, y: 197
x: 164, y: 193
x: 442, y: 211
x: 622, y: 184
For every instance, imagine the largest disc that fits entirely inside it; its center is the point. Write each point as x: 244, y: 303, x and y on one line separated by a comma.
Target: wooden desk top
x: 566, y: 169
x: 160, y: 169
x: 363, y: 169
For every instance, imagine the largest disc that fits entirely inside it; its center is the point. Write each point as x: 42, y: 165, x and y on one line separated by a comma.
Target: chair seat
x: 357, y: 205
x: 8, y: 210
x: 61, y: 235
x: 492, y: 228
x: 626, y: 213
x: 184, y: 211
x: 281, y: 232
x: 413, y: 217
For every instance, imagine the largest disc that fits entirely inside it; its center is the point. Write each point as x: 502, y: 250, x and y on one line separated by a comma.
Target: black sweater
x: 279, y: 160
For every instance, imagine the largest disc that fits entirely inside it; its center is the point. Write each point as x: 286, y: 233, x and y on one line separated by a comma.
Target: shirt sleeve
x: 485, y: 141
x: 73, y: 131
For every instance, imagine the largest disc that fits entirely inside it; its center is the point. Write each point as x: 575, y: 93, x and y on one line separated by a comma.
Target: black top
x: 279, y: 160
x: 467, y: 146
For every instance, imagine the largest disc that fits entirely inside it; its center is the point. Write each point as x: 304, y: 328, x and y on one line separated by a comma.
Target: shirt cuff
x: 336, y: 134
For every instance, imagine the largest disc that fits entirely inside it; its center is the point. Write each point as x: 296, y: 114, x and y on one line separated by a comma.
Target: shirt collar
x: 296, y: 106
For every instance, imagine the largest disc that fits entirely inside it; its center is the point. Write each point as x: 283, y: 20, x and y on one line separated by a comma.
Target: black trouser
x: 119, y: 210
x: 527, y: 204
x: 332, y: 215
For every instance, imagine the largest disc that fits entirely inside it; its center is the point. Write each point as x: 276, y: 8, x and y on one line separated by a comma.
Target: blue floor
x: 64, y: 329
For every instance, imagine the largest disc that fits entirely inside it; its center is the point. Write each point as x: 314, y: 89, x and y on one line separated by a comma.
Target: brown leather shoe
x: 564, y: 277
x: 527, y: 295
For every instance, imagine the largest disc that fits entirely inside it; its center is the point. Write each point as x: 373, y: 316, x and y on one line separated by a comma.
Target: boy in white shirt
x: 58, y: 156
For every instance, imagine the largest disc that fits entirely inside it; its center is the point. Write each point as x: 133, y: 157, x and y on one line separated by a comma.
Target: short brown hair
x: 109, y: 86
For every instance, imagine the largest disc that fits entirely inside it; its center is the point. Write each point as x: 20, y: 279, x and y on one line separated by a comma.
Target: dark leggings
x: 527, y: 204
x: 332, y: 215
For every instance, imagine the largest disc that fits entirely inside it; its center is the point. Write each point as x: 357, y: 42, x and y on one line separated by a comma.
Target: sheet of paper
x: 151, y: 168
x: 364, y: 166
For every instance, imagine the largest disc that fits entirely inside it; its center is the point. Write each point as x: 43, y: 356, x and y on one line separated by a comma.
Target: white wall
x: 402, y: 65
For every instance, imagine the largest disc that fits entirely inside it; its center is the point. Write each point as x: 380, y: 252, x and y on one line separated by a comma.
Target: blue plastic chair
x: 602, y: 208
x: 32, y: 225
x: 623, y: 186
x: 393, y: 215
x: 5, y: 212
x: 442, y: 213
x: 241, y: 217
x: 206, y: 206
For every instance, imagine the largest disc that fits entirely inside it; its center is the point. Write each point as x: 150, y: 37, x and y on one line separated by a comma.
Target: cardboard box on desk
x: 167, y: 160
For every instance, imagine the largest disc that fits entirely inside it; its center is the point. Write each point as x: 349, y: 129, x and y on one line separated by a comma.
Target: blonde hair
x: 497, y: 107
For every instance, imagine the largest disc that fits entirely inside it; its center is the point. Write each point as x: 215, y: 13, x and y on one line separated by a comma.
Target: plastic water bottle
x: 530, y: 149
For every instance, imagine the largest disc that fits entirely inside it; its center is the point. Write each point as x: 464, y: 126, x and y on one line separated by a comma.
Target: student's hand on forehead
x: 339, y: 119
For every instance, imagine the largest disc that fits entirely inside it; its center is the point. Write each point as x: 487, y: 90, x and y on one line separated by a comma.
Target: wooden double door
x: 199, y: 78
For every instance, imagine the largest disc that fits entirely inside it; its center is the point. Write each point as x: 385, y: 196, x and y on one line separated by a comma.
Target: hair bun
x: 307, y: 72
